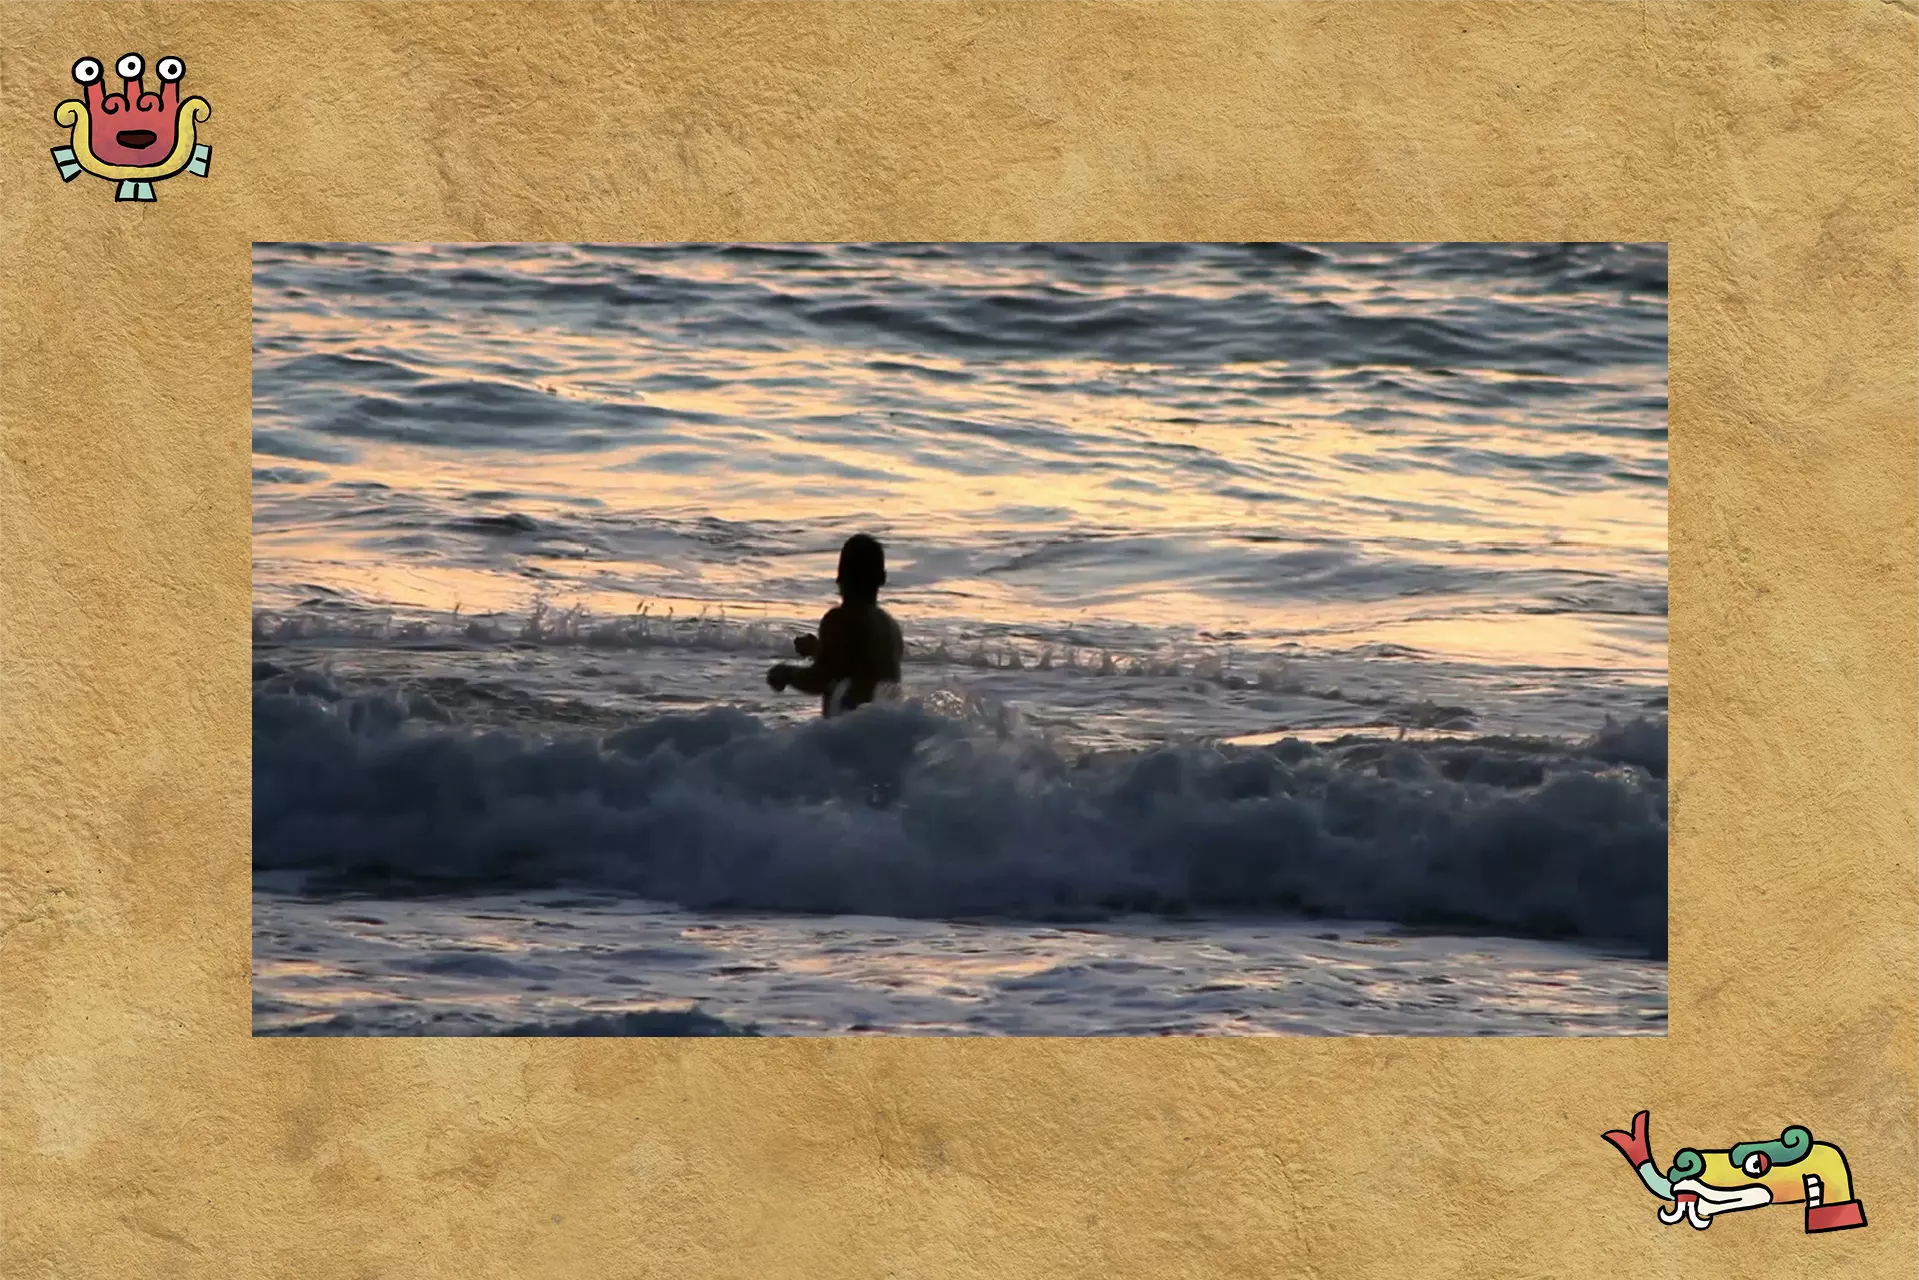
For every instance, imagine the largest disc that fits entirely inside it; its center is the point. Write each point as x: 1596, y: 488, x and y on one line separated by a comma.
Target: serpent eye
x: 1756, y: 1164
x: 171, y: 69
x: 130, y: 66
x: 87, y: 71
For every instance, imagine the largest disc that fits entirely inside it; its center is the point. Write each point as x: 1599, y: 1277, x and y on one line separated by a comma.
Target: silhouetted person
x: 859, y: 646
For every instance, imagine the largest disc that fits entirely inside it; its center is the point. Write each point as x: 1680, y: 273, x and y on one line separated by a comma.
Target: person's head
x: 862, y: 568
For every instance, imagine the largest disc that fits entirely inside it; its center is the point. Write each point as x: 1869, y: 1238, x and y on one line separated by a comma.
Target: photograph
x: 1053, y: 639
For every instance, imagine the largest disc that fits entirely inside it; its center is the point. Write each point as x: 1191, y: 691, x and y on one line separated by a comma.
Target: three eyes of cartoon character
x: 130, y: 67
x: 1755, y: 1164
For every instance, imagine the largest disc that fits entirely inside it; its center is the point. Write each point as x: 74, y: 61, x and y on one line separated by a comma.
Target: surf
x: 918, y: 809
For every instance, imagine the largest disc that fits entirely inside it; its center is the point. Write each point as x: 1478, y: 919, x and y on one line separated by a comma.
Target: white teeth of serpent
x: 1678, y: 1212
x: 1699, y: 1220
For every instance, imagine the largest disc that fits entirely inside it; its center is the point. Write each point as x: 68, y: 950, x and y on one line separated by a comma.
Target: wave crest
x: 905, y: 811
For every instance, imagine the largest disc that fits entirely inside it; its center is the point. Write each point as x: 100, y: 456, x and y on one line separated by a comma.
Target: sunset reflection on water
x: 1176, y: 439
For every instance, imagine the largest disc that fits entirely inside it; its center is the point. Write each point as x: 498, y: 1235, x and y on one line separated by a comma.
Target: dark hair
x: 862, y: 566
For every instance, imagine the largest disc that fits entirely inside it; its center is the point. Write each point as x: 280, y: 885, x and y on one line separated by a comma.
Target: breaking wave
x: 917, y: 810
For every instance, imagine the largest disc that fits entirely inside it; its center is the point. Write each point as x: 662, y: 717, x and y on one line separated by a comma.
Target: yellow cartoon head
x: 1792, y: 1169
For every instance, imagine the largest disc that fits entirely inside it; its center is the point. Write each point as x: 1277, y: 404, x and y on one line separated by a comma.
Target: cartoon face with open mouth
x: 1700, y: 1185
x: 134, y: 137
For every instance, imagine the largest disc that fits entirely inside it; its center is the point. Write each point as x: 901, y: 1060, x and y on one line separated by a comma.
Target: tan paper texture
x: 146, y: 1133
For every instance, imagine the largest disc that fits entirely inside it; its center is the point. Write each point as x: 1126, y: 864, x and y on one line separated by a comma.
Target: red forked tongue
x: 1637, y: 1145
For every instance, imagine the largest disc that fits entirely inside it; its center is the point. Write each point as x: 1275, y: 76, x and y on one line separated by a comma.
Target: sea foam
x: 905, y: 811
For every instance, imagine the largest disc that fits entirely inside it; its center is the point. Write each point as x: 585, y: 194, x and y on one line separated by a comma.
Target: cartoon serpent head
x: 1702, y: 1184
x: 134, y: 137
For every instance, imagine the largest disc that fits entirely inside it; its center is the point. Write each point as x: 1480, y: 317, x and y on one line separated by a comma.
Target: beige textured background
x: 146, y: 1134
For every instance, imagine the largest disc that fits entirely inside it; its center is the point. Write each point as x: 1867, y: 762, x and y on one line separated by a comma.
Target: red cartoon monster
x: 133, y: 137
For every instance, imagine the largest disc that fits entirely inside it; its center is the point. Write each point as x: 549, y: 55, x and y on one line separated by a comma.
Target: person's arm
x: 829, y: 661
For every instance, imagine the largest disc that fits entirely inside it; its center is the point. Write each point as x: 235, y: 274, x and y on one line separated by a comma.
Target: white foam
x: 901, y: 810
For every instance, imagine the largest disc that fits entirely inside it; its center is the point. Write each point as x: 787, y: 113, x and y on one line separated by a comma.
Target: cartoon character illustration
x: 1702, y: 1184
x: 133, y: 137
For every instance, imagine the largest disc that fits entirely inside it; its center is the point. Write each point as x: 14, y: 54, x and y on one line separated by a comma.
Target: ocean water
x: 1286, y: 630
